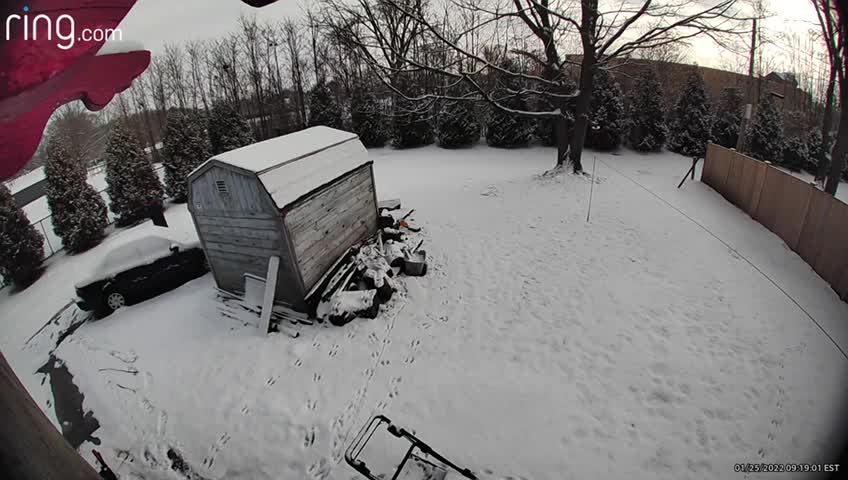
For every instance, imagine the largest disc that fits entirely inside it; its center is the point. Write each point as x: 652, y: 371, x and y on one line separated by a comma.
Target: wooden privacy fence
x: 811, y: 222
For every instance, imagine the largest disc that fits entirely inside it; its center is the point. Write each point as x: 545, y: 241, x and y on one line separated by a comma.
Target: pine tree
x: 367, y: 118
x: 323, y: 108
x: 607, y: 113
x: 412, y: 122
x: 544, y: 129
x: 132, y: 184
x: 766, y: 139
x: 728, y: 118
x: 647, y: 116
x: 21, y: 246
x: 227, y: 129
x: 186, y: 145
x: 814, y: 149
x: 78, y: 212
x: 691, y: 123
x: 795, y: 154
x: 458, y: 126
x: 505, y: 128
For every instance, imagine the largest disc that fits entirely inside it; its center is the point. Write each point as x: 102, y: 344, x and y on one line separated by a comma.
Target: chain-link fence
x: 52, y: 242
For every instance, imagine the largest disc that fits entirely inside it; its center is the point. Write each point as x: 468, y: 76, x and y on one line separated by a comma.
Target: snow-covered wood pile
x: 365, y: 276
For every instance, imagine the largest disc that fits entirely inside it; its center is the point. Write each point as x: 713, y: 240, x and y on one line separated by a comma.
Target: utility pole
x: 746, y: 117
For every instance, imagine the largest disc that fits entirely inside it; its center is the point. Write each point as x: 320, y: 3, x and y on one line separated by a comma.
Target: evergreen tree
x: 367, y: 118
x: 607, y: 113
x: 795, y: 154
x: 412, y: 122
x: 21, y: 246
x: 728, y: 118
x: 814, y: 149
x: 323, y: 108
x: 458, y: 125
x: 186, y: 145
x: 504, y: 128
x: 691, y: 122
x: 647, y: 117
x: 78, y: 212
x: 132, y: 184
x: 766, y: 139
x: 227, y: 129
x: 544, y: 129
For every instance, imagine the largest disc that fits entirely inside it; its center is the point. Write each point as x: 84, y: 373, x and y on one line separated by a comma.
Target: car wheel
x: 115, y: 300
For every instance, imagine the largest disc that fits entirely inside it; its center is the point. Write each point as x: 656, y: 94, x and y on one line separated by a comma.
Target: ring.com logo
x: 63, y: 27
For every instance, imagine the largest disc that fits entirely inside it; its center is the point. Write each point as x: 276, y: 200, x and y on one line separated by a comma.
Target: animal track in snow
x: 334, y: 350
x: 311, y: 404
x: 271, y: 381
x: 316, y: 377
x: 309, y: 437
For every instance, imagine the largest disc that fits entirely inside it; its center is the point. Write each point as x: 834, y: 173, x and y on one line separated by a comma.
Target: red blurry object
x: 37, y: 76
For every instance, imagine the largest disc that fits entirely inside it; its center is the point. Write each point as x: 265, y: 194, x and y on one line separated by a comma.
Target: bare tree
x: 291, y: 37
x: 834, y: 36
x: 384, y: 31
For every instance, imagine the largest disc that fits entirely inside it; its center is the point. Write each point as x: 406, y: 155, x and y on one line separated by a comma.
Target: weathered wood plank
x: 315, y: 211
x: 239, y: 249
x: 313, y: 268
x: 360, y: 213
x: 327, y: 197
x: 246, y: 233
x: 256, y: 223
x: 239, y: 241
x: 352, y: 176
x: 350, y: 208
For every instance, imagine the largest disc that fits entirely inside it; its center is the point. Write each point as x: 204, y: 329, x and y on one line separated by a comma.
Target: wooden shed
x: 305, y: 197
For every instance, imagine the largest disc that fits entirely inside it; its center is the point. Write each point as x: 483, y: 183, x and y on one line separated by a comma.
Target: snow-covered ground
x: 636, y: 345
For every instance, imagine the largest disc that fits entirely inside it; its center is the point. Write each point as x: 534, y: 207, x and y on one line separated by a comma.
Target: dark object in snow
x: 105, y: 472
x: 416, y: 264
x: 391, y: 204
x: 407, y: 215
x: 385, y: 221
x: 348, y: 305
x: 421, y: 462
x: 392, y: 234
x: 117, y: 282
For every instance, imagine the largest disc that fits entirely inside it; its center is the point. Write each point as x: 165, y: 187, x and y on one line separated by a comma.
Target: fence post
x: 52, y: 252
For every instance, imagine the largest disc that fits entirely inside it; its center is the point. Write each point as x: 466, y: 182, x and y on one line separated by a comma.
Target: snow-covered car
x: 138, y: 266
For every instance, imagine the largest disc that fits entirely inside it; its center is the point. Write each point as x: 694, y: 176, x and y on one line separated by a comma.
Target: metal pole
x: 592, y: 187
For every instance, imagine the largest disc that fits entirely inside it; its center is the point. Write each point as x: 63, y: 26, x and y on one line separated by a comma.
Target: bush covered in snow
x: 647, y: 116
x: 323, y: 108
x: 412, y: 122
x: 132, y: 184
x: 606, y: 113
x: 78, y: 212
x: 367, y: 118
x: 505, y: 128
x: 457, y: 125
x: 796, y: 155
x: 691, y: 122
x: 817, y: 153
x: 21, y: 246
x: 186, y: 145
x: 728, y: 118
x: 227, y: 129
x: 765, y: 141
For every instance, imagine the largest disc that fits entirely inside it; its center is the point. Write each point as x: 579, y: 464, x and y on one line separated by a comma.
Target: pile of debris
x: 364, y: 277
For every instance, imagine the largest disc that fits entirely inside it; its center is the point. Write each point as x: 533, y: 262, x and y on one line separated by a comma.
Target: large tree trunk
x: 589, y: 17
x: 827, y: 126
x: 837, y: 157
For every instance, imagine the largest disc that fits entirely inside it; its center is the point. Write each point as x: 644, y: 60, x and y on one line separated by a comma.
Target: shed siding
x: 325, y: 224
x: 241, y: 229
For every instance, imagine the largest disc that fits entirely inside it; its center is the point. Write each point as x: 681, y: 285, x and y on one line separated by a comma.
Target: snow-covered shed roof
x: 296, y: 164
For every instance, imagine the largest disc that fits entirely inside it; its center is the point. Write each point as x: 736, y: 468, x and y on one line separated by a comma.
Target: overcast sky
x: 154, y: 23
